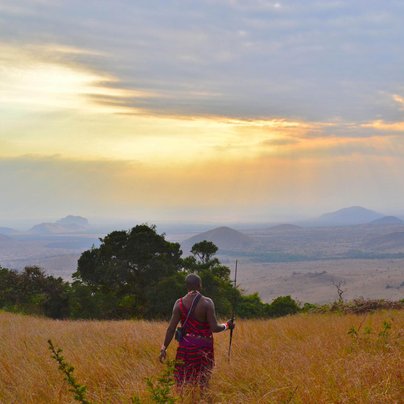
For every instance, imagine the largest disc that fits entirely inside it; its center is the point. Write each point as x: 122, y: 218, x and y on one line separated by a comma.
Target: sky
x: 200, y: 111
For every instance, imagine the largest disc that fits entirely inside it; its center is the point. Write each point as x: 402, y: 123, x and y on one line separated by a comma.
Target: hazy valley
x: 302, y: 260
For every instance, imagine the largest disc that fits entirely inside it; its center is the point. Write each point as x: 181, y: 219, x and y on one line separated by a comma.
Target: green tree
x: 122, y: 271
x: 282, y: 306
x: 164, y: 293
x: 251, y: 306
x: 32, y: 291
x: 204, y: 250
x: 8, y: 288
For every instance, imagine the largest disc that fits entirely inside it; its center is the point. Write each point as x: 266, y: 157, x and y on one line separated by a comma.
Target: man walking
x: 195, y: 356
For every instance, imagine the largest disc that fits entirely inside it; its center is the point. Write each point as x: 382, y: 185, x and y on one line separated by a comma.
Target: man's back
x: 202, y: 308
x: 204, y: 311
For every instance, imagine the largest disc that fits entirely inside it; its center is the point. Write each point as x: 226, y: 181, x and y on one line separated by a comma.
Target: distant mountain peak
x: 349, y: 216
x: 354, y: 209
x: 71, y: 219
x: 68, y: 224
x: 224, y: 237
x: 7, y: 231
x: 47, y: 228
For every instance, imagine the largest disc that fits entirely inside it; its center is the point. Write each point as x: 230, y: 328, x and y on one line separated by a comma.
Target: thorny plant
x: 160, y: 389
x: 76, y: 388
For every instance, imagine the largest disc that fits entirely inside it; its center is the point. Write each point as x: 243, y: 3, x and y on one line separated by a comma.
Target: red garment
x: 195, y: 356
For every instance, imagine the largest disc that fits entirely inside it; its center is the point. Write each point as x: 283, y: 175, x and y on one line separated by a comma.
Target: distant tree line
x: 132, y: 274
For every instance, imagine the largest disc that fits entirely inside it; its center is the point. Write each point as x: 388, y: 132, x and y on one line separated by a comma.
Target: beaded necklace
x: 191, y: 292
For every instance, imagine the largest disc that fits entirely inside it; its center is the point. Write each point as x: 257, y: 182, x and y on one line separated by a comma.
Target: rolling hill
x: 225, y: 238
x: 7, y: 231
x: 68, y: 224
x: 47, y: 228
x: 348, y: 216
x: 387, y: 220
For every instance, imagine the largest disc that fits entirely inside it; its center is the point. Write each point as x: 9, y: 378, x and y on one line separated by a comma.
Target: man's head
x: 193, y: 282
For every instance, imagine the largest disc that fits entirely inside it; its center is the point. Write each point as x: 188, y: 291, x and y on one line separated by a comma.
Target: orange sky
x: 77, y: 138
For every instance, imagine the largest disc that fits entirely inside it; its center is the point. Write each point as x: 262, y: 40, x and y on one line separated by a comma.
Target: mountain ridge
x: 67, y: 224
x: 7, y: 231
x: 224, y: 237
x: 348, y: 216
x: 387, y: 220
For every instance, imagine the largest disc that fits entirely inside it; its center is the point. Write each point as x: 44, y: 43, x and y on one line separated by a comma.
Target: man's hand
x: 163, y: 354
x: 230, y: 324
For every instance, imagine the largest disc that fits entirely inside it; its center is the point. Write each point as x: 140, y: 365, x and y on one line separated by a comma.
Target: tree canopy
x: 132, y: 274
x: 33, y: 292
x: 124, y: 269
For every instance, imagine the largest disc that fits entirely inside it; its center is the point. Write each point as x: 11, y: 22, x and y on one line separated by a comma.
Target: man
x: 195, y: 357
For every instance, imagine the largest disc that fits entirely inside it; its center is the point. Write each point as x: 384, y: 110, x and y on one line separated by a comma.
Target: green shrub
x: 283, y: 306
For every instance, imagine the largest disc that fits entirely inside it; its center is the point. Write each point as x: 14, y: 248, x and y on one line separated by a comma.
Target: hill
x: 387, y: 220
x: 348, y: 216
x: 47, y: 228
x: 75, y: 221
x: 7, y: 231
x: 312, y: 359
x: 68, y: 224
x: 225, y: 238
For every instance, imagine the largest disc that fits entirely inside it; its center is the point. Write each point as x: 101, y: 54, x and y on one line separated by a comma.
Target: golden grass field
x: 299, y: 359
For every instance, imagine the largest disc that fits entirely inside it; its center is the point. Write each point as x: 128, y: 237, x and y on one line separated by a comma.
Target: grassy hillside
x: 299, y: 359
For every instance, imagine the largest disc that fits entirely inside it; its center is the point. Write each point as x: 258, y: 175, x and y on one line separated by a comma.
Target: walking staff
x: 233, y: 310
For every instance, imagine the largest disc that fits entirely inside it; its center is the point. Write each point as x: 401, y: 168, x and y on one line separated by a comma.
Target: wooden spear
x: 233, y: 310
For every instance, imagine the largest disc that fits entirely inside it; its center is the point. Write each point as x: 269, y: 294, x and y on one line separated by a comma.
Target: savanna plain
x: 305, y: 358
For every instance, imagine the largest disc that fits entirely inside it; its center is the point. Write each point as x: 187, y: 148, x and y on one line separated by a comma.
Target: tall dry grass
x: 299, y: 359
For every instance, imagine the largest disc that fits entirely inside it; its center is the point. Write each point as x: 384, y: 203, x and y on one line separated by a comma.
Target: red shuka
x: 195, y: 357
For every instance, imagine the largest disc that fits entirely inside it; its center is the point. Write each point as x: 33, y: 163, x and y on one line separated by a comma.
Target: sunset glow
x: 197, y: 117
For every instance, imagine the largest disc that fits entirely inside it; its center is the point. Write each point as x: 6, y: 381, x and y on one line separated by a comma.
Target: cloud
x: 149, y: 138
x: 313, y: 61
x: 256, y: 102
x: 399, y: 100
x: 47, y: 78
x: 280, y: 142
x: 389, y: 128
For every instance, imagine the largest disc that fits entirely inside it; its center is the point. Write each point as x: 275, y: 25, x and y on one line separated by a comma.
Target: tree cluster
x: 33, y: 292
x: 132, y: 274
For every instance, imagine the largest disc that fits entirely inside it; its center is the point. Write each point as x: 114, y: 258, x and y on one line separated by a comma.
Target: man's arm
x: 211, y: 316
x: 172, y: 325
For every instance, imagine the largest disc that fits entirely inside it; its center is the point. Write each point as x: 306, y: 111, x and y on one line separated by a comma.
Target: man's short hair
x: 193, y: 281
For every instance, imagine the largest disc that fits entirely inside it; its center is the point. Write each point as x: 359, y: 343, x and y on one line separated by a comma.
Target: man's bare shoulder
x: 208, y: 301
x: 176, y: 305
